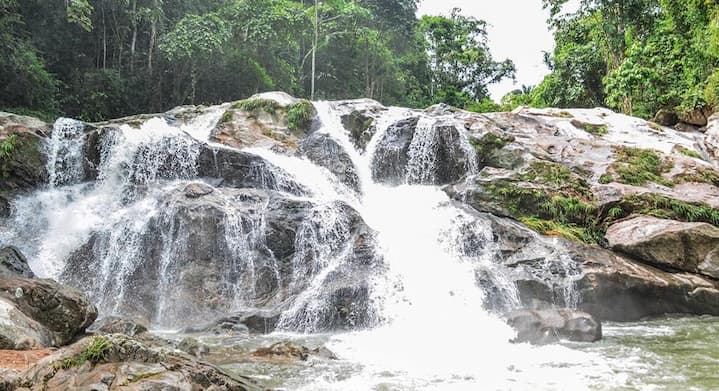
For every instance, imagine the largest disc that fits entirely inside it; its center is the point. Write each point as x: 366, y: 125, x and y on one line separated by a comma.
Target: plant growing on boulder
x: 95, y: 353
x: 255, y: 106
x: 299, y: 115
x: 636, y: 166
x: 7, y: 151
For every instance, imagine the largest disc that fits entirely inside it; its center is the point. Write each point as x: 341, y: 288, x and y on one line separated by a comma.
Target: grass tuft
x: 95, y: 353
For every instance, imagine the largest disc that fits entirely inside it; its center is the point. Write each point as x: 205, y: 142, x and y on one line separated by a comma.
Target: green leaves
x: 195, y: 36
x: 460, y: 63
x: 80, y: 13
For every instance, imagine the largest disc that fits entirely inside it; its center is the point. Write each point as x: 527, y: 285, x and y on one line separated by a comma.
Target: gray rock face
x: 14, y: 264
x: 41, y: 313
x: 117, y: 325
x: 244, y: 170
x: 428, y: 151
x: 541, y: 327
x: 689, y: 247
x: 287, y: 350
x: 322, y: 150
x: 392, y: 154
x: 247, y: 248
x: 197, y: 190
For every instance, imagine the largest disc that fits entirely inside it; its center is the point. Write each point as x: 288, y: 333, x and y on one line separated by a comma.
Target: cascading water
x: 423, y: 317
x: 65, y: 152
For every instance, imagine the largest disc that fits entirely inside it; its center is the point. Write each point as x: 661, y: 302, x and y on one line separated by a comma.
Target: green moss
x: 688, y: 152
x: 595, y: 129
x: 547, y: 172
x: 299, y: 115
x: 95, y: 353
x: 227, y: 117
x: 486, y: 145
x: 635, y: 166
x: 562, y: 114
x: 8, y: 148
x: 606, y: 178
x: 256, y: 106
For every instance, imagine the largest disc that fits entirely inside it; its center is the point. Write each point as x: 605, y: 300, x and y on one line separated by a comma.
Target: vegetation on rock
x: 95, y: 353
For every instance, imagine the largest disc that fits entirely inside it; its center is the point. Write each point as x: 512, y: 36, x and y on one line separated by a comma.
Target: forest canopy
x: 96, y: 59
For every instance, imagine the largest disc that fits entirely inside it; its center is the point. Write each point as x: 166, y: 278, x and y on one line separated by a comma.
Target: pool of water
x: 672, y: 353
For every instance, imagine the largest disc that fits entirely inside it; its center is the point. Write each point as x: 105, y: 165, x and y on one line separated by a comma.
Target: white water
x: 432, y: 332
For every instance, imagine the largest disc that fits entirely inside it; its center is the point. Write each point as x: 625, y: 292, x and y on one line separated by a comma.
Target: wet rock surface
x: 118, y: 362
x: 540, y: 327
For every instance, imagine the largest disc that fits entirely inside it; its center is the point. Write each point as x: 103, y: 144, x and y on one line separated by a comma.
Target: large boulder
x: 239, y: 169
x: 322, y: 150
x: 544, y: 272
x: 231, y: 249
x: 541, y: 327
x: 668, y: 244
x: 41, y: 313
x: 423, y: 150
x: 117, y: 325
x: 117, y: 362
x: 272, y: 120
x: 23, y: 161
x: 392, y: 153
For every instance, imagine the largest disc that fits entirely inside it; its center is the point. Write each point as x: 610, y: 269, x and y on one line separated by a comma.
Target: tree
x: 459, y: 59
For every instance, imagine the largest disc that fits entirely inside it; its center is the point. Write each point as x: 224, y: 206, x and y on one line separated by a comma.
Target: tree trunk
x: 315, y: 40
x: 150, y: 50
x: 133, y: 41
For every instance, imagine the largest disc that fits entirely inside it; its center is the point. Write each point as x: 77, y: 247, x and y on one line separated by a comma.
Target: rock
x: 287, y: 350
x: 424, y: 151
x: 193, y: 347
x: 541, y: 327
x: 697, y: 117
x: 258, y: 322
x: 711, y: 142
x: 6, y: 208
x: 615, y: 288
x: 666, y: 117
x: 197, y: 190
x: 201, y: 256
x: 359, y: 117
x: 14, y: 264
x: 244, y: 170
x: 41, y: 313
x: 687, y: 128
x: 117, y: 325
x: 120, y: 362
x: 322, y: 150
x: 392, y: 153
x: 668, y: 244
x: 267, y: 125
x: 24, y: 167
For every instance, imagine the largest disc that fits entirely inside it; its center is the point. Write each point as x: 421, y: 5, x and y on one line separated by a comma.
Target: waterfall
x: 65, y: 161
x: 156, y: 235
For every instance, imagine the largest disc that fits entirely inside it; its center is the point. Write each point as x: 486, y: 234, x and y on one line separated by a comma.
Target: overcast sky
x: 517, y: 30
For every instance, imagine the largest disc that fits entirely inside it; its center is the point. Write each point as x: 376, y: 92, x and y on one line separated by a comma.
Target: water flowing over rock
x: 227, y: 250
x: 223, y: 220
